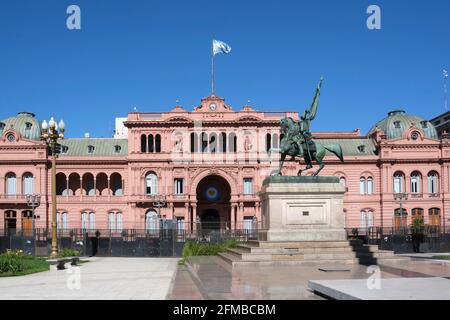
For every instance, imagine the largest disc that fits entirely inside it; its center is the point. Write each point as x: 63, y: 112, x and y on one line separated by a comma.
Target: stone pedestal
x: 302, y: 209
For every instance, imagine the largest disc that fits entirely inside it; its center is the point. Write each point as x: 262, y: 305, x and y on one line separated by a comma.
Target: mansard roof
x: 102, y: 147
x: 353, y: 147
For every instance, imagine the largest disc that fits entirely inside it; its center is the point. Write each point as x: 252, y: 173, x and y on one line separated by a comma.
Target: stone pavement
x: 101, y: 278
x: 211, y: 278
x: 389, y: 289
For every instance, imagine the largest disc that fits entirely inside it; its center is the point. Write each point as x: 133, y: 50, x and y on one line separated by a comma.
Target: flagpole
x: 445, y: 89
x: 212, y: 67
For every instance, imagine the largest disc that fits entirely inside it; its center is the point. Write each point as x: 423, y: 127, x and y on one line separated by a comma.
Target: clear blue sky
x: 147, y: 54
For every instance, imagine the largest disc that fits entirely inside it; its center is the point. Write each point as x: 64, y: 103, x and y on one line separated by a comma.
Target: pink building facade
x: 207, y: 165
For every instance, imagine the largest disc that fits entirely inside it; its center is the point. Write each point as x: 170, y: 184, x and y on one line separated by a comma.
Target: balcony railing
x: 434, y: 195
x: 14, y: 198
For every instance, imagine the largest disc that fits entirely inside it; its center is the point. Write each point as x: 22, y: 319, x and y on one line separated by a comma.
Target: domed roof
x: 398, y: 121
x: 25, y: 123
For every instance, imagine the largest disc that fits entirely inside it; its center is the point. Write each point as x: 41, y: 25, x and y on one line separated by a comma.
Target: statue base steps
x: 270, y: 253
x: 303, y: 223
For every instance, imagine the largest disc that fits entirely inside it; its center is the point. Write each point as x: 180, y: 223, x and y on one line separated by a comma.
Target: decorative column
x: 2, y: 185
x: 67, y: 187
x: 186, y: 216
x: 95, y: 187
x: 194, y: 217
x: 241, y: 214
x: 81, y: 187
x: 233, y: 216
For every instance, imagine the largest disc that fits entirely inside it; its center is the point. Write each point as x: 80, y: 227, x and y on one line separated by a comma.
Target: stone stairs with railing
x: 260, y: 253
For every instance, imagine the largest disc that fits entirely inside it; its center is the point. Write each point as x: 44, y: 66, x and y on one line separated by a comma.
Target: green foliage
x: 441, y: 257
x: 67, y: 252
x: 418, y: 226
x: 15, y: 263
x: 191, y: 249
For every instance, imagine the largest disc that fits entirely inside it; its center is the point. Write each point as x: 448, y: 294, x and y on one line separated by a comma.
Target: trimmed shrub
x: 15, y: 263
x: 191, y: 249
x: 67, y: 252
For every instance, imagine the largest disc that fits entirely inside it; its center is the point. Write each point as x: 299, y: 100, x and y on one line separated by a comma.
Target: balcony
x: 14, y: 198
x: 89, y: 199
x: 249, y: 197
x: 434, y: 195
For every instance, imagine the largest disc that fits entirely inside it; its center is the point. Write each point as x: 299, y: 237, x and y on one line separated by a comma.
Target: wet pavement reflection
x: 212, y: 278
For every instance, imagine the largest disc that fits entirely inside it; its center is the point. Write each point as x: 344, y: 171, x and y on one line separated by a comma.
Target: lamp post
x: 33, y: 201
x: 401, y: 197
x: 159, y: 201
x: 51, y: 133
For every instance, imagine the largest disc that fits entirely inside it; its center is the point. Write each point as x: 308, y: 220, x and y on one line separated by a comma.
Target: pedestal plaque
x: 302, y: 209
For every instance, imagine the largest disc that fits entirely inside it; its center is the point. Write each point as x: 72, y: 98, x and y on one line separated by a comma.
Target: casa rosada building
x: 209, y: 164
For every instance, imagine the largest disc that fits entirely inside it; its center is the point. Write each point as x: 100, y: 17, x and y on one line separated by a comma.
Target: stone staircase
x: 260, y: 253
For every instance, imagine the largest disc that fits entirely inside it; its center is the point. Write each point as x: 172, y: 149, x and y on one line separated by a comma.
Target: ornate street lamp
x: 51, y: 133
x: 401, y: 197
x: 159, y: 201
x: 33, y: 201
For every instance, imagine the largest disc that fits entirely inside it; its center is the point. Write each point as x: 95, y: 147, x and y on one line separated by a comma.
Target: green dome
x: 25, y: 123
x: 398, y: 121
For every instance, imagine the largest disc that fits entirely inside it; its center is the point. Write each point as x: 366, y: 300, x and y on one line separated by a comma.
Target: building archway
x: 213, y: 203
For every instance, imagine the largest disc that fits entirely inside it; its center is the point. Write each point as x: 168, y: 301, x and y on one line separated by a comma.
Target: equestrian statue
x: 297, y: 140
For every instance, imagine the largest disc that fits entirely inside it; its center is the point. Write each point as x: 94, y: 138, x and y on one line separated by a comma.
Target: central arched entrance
x: 213, y: 203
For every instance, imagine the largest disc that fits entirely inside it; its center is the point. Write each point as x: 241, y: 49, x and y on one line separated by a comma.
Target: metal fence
x: 167, y: 241
x: 404, y: 240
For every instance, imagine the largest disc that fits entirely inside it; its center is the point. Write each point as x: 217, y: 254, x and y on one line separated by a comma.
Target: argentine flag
x: 220, y: 47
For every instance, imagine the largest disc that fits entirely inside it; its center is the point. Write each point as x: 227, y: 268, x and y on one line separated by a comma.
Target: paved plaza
x: 101, y: 278
x: 207, y: 278
x: 213, y: 279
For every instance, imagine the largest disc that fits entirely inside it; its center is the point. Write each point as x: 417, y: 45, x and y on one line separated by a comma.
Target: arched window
x: 151, y: 221
x: 415, y: 182
x: 434, y: 216
x: 88, y: 220
x: 88, y: 184
x: 115, y: 222
x: 116, y: 184
x: 62, y: 220
x: 275, y: 141
x: 369, y: 185
x: 433, y: 182
x: 342, y: 181
x: 366, y: 219
x: 223, y: 142
x: 398, y: 182
x: 417, y: 214
x: 158, y: 143
x: 268, y: 142
x: 194, y: 142
x: 151, y: 183
x: 232, y: 142
x: 28, y: 183
x: 101, y: 184
x: 204, y: 142
x: 400, y: 218
x: 151, y: 143
x: 61, y: 184
x: 143, y: 143
x: 11, y: 184
x: 212, y: 142
x: 362, y: 185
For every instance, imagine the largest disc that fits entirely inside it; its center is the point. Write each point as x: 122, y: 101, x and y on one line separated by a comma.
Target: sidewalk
x: 101, y: 278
